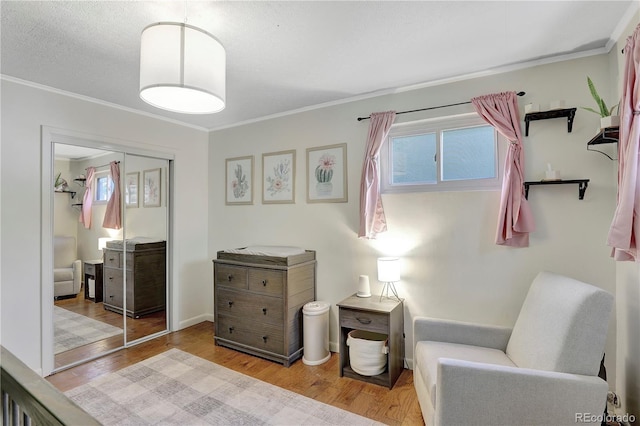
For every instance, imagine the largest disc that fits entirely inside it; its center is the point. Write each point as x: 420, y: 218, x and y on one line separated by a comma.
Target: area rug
x: 177, y: 388
x: 71, y: 330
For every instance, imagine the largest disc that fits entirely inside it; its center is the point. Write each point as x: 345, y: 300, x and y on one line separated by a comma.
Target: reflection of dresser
x: 259, y: 300
x: 146, y: 276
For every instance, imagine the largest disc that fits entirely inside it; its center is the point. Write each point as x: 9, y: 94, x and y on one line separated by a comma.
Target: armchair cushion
x: 562, y: 326
x: 431, y: 352
x: 62, y: 274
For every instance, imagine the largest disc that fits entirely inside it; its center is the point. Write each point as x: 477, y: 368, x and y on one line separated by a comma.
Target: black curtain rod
x: 435, y: 107
x: 103, y: 165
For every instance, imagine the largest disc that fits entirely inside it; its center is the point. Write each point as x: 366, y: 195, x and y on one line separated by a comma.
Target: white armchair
x: 544, y: 371
x: 67, y: 268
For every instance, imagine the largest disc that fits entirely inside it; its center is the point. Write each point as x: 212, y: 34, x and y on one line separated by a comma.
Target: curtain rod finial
x: 521, y: 93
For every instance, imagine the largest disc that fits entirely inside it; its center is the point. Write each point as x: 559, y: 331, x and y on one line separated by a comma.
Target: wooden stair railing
x: 28, y: 399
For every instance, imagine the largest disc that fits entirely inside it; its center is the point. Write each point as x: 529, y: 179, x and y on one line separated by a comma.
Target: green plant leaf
x: 594, y: 93
x: 591, y: 110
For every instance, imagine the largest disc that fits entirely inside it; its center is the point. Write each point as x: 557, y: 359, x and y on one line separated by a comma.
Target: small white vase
x: 610, y: 121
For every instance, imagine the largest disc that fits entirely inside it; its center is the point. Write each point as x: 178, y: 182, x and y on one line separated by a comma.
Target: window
x: 447, y: 154
x: 103, y: 187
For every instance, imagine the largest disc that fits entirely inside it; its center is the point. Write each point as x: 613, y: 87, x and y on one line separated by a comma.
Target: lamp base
x: 385, y: 292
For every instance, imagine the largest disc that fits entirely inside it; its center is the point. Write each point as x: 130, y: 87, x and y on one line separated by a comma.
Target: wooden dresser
x: 145, y: 272
x: 259, y: 300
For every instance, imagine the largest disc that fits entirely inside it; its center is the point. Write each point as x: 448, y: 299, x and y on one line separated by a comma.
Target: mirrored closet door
x: 110, y: 271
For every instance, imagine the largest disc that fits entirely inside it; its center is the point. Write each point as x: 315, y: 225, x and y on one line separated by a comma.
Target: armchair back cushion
x: 64, y: 251
x: 562, y: 326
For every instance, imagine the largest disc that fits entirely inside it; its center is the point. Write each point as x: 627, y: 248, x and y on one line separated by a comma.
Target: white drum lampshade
x: 182, y: 69
x: 389, y: 273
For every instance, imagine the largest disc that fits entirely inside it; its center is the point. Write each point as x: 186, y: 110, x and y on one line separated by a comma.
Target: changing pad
x: 278, y: 251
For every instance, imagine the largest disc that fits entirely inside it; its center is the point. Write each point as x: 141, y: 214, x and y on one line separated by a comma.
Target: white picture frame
x: 152, y: 188
x: 239, y: 181
x: 131, y: 190
x: 327, y: 174
x: 278, y: 177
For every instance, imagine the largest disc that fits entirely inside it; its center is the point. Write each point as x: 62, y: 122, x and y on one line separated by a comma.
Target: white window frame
x: 107, y: 174
x: 437, y: 126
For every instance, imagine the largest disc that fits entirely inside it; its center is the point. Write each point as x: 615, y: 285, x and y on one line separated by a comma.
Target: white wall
x: 24, y: 110
x: 627, y: 285
x: 451, y: 266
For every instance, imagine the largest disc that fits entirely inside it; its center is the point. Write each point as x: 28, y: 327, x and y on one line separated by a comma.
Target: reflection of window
x: 448, y: 154
x: 103, y: 187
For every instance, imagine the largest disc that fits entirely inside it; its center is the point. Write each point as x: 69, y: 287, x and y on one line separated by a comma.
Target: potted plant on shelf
x: 607, y: 119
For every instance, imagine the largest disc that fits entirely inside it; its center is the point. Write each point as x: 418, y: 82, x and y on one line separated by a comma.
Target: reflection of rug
x: 71, y: 330
x: 177, y: 388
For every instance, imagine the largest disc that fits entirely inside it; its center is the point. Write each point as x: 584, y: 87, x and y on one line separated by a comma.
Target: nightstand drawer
x: 89, y: 268
x: 363, y: 320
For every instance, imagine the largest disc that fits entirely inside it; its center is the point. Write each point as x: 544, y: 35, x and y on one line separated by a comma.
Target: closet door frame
x: 49, y: 137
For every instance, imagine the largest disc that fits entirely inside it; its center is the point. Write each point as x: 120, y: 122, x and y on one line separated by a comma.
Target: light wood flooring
x: 398, y: 406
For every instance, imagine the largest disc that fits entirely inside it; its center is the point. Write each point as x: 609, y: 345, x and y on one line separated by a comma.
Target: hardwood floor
x: 136, y: 328
x: 398, y: 406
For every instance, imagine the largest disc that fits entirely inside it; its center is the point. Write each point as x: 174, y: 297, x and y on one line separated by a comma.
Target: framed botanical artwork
x: 152, y: 187
x: 239, y: 180
x: 278, y: 177
x: 131, y: 185
x: 327, y: 174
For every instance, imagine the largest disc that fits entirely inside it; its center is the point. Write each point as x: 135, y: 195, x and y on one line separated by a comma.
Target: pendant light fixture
x: 182, y: 69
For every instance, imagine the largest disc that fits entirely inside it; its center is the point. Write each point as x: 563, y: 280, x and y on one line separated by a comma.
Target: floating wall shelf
x: 73, y: 193
x: 570, y: 113
x: 582, y: 185
x: 606, y: 135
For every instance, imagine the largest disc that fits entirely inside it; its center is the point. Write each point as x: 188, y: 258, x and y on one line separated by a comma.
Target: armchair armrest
x: 438, y: 330
x: 475, y: 393
x: 77, y: 275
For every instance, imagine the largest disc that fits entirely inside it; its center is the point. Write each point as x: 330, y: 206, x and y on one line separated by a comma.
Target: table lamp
x: 389, y: 273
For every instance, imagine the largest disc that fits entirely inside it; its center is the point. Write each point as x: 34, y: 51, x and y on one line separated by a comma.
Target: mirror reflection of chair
x: 67, y: 268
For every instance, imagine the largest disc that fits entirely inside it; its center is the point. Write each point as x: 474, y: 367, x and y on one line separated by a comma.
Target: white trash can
x: 367, y: 352
x: 316, y: 333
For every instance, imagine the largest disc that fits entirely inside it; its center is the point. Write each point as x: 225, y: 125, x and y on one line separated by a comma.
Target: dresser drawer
x: 249, y: 306
x: 231, y: 276
x: 266, y: 337
x: 363, y: 320
x: 112, y: 259
x: 112, y: 285
x: 266, y: 281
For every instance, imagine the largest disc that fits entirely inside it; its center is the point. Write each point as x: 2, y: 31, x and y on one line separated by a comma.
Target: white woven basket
x: 367, y: 352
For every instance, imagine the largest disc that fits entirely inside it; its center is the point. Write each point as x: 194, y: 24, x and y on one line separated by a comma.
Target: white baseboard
x: 195, y: 320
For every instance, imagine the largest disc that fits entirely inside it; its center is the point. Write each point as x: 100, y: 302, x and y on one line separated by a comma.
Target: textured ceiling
x: 283, y: 56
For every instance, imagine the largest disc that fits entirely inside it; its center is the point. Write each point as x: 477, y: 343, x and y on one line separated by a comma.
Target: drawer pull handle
x: 229, y: 277
x: 111, y: 259
x: 364, y: 320
x: 264, y: 339
x: 264, y: 282
x: 111, y: 296
x: 264, y: 311
x: 230, y: 303
x: 110, y: 278
x: 230, y: 330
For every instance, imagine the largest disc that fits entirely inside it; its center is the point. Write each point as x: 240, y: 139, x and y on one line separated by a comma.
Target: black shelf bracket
x: 570, y: 113
x: 582, y: 185
x: 73, y: 193
x: 606, y: 135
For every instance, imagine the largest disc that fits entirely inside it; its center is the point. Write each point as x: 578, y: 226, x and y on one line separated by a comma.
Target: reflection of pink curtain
x: 372, y: 219
x: 515, y: 220
x: 624, y: 234
x: 113, y: 214
x: 87, y: 200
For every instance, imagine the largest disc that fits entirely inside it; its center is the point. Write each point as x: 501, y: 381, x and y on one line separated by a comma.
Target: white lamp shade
x: 102, y: 242
x: 182, y: 69
x: 388, y: 269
